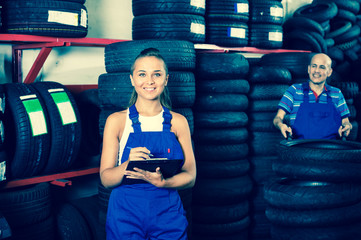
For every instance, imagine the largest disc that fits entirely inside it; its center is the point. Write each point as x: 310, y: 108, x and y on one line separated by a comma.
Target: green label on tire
x: 65, y: 107
x: 36, y: 115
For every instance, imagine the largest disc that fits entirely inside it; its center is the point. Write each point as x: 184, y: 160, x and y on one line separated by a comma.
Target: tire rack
x: 22, y: 42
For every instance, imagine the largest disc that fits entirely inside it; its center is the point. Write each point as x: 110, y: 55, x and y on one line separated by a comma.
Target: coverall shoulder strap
x: 306, y: 90
x: 167, y: 116
x: 134, y: 116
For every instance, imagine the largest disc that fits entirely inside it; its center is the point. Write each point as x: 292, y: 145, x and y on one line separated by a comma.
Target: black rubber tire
x: 220, y: 192
x: 304, y: 24
x: 144, y: 7
x: 65, y: 125
x: 266, y: 11
x: 296, y: 62
x: 222, y: 86
x: 179, y: 55
x: 319, y: 160
x: 301, y: 40
x: 262, y: 126
x: 267, y: 91
x: 32, y: 17
x: 263, y: 106
x: 336, y: 55
x: 114, y: 90
x: 88, y: 105
x: 229, y: 231
x: 218, y: 152
x: 350, y: 35
x: 169, y: 26
x: 351, y: 231
x: 236, y: 10
x: 315, y: 217
x: 220, y: 102
x: 298, y: 194
x: 261, y: 172
x: 2, y: 117
x: 71, y: 224
x: 221, y: 136
x: 220, y: 214
x: 345, y: 15
x: 220, y: 119
x: 221, y: 66
x: 88, y: 207
x: 351, y: 5
x: 27, y: 144
x: 182, y: 89
x: 264, y: 143
x: 222, y: 169
x: 348, y: 89
x: 268, y: 36
x: 26, y: 205
x: 227, y: 33
x: 319, y: 11
x: 268, y: 74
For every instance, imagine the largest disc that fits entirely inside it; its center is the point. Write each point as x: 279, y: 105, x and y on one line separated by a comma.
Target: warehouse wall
x: 82, y: 65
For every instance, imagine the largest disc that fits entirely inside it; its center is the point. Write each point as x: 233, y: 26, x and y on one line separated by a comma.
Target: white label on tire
x: 66, y: 18
x: 241, y: 8
x: 198, y: 3
x: 237, y: 32
x: 198, y: 28
x: 276, y: 11
x: 36, y: 115
x: 64, y: 105
x: 84, y: 18
x: 275, y: 36
x: 2, y: 171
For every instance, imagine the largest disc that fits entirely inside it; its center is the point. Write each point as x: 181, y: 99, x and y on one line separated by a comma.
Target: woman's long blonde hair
x: 164, y: 96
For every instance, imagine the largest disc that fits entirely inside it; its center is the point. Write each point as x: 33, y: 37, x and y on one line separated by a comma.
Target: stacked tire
x: 220, y: 195
x: 265, y: 24
x: 226, y: 23
x: 267, y: 86
x: 28, y: 211
x: 115, y: 89
x: 42, y: 129
x: 169, y: 19
x: 56, y: 18
x: 303, y: 203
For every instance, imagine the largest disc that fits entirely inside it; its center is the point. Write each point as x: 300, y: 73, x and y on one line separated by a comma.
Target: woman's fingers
x: 139, y: 153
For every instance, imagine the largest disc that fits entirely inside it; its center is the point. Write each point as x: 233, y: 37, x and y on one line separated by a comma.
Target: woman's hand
x: 139, y: 153
x: 155, y: 178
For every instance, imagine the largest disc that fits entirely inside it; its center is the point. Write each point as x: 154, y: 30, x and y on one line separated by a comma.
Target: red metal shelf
x: 56, y: 179
x: 46, y: 44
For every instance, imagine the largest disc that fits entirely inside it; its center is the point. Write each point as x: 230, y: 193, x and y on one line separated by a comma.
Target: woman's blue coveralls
x: 316, y: 120
x: 144, y: 211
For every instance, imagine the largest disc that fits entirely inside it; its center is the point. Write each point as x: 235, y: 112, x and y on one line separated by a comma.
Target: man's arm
x: 278, y: 122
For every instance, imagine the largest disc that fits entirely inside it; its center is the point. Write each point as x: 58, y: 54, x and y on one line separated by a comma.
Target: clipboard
x: 168, y: 167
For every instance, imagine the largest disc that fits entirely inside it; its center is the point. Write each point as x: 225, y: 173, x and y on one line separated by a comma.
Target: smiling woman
x: 146, y: 128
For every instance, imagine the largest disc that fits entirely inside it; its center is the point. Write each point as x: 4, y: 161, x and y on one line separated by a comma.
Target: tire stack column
x: 267, y: 85
x: 265, y: 24
x: 221, y: 193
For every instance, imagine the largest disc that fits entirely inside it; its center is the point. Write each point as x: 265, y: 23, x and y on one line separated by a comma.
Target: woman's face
x: 149, y: 77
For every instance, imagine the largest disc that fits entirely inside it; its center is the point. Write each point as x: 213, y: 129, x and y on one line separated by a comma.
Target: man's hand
x: 345, y: 129
x: 284, y: 128
x: 278, y: 122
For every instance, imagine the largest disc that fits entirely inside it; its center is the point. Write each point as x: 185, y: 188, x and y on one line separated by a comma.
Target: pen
x: 149, y: 154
